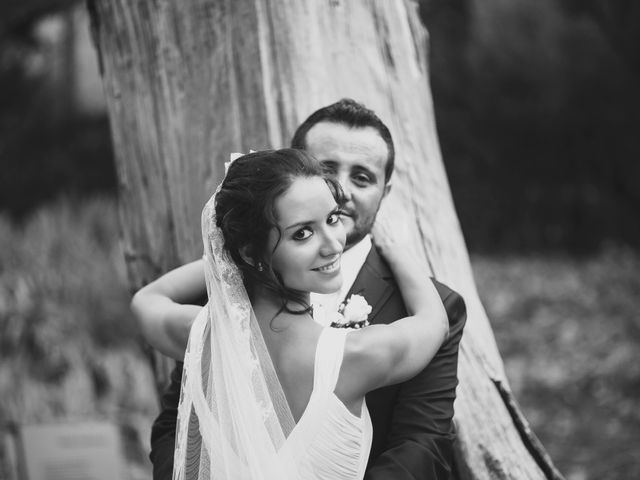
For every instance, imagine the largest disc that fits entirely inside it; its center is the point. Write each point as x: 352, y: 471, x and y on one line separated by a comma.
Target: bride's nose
x: 333, y: 242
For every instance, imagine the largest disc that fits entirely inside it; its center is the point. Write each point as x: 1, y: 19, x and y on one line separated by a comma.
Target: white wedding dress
x: 329, y: 442
x: 234, y: 422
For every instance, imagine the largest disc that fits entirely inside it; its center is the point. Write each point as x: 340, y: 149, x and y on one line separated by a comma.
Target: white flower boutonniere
x: 353, y: 313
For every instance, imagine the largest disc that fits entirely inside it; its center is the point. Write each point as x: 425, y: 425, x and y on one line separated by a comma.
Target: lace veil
x: 233, y: 417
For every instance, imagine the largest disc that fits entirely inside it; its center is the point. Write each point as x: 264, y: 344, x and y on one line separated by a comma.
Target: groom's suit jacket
x: 412, y: 421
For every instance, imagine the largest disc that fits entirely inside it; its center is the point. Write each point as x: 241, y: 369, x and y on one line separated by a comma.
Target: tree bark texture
x: 188, y: 82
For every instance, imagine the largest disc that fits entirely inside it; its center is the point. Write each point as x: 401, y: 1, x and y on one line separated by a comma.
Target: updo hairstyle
x: 245, y: 211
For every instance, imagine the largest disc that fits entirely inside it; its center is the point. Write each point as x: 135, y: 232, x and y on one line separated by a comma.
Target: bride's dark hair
x: 245, y: 212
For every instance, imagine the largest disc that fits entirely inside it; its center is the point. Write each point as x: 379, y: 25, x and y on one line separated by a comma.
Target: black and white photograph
x: 319, y: 240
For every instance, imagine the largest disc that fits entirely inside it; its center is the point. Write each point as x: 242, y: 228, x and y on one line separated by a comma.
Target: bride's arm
x: 387, y: 354
x: 163, y: 310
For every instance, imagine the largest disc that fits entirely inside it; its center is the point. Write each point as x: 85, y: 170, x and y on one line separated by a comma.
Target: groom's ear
x: 387, y: 189
x: 244, y: 253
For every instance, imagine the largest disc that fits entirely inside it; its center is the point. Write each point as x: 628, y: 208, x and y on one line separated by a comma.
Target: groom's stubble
x: 356, y: 158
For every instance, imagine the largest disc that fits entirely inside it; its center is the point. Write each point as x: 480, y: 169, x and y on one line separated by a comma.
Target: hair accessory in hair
x: 233, y: 157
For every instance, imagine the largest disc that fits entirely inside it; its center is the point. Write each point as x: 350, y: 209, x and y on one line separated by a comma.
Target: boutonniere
x: 353, y: 313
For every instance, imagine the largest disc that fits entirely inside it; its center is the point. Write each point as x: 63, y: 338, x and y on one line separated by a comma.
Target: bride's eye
x: 302, y: 234
x: 333, y: 218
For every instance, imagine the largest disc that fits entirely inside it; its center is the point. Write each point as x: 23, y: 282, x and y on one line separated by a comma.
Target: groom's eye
x: 302, y: 234
x: 361, y: 179
x: 328, y: 168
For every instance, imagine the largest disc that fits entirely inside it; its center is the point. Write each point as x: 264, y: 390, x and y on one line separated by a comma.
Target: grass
x: 569, y: 332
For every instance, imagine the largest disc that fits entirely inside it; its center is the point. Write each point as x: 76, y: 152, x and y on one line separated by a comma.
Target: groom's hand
x: 165, y: 324
x: 165, y: 308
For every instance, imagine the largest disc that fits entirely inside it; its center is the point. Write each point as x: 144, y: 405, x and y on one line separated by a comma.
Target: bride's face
x: 311, y: 240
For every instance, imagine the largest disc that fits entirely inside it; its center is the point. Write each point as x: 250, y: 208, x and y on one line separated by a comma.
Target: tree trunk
x: 188, y: 82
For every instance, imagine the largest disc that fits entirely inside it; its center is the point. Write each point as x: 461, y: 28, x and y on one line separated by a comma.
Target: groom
x: 412, y: 422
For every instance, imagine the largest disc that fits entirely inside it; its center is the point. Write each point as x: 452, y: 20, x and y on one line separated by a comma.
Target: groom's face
x: 356, y: 158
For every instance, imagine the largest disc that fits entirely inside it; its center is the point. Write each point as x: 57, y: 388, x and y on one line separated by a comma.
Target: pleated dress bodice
x: 329, y: 442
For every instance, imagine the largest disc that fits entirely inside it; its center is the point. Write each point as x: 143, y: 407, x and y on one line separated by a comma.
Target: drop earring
x: 260, y: 266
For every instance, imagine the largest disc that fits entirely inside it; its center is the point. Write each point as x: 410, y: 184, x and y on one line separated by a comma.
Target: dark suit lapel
x: 374, y: 282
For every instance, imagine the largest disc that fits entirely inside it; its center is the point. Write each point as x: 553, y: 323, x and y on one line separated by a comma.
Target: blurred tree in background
x: 536, y: 106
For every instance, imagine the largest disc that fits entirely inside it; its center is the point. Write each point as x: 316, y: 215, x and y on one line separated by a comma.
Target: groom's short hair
x: 352, y: 114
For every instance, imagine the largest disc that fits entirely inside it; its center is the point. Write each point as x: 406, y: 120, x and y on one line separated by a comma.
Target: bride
x: 267, y: 392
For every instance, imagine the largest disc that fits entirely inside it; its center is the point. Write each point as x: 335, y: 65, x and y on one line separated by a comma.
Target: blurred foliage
x: 537, y: 110
x: 618, y: 20
x: 569, y: 334
x: 69, y: 347
x: 19, y: 15
x: 47, y: 148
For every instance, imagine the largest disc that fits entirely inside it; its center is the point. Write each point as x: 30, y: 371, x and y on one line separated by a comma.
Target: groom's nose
x: 345, y: 184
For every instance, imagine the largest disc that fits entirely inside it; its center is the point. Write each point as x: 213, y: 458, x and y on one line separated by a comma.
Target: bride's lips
x: 330, y: 267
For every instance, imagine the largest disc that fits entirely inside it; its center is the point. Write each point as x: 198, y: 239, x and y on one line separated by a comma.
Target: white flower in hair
x: 232, y: 158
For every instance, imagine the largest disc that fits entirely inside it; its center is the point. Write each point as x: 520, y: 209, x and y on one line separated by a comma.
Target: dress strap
x: 329, y: 355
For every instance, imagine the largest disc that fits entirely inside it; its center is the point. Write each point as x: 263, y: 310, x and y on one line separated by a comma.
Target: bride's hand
x: 393, y: 233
